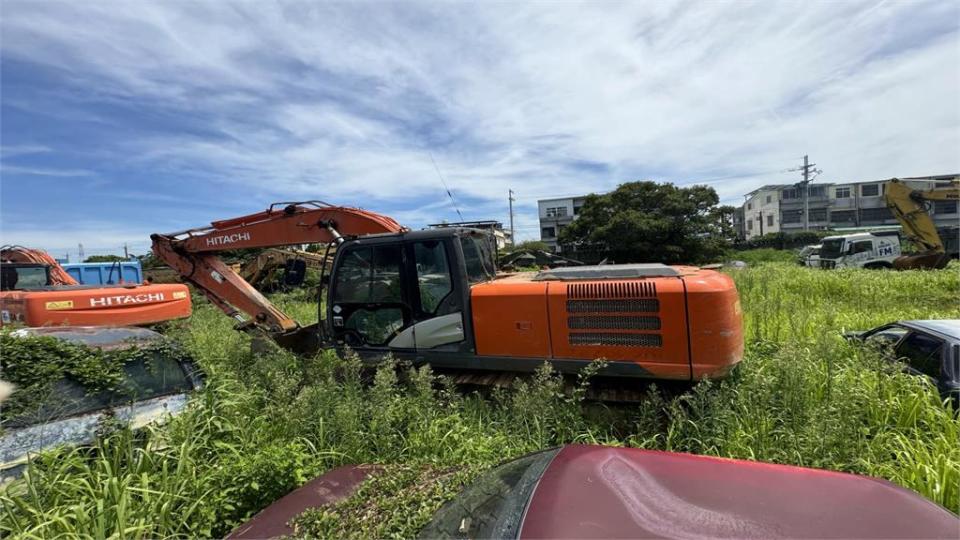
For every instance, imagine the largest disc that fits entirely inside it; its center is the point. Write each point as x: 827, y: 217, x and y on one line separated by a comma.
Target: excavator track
x: 602, y: 389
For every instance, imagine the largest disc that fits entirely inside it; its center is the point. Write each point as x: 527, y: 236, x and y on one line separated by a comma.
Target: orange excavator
x: 433, y: 296
x: 36, y: 291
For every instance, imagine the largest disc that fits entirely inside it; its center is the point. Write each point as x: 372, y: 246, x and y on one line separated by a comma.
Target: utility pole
x: 126, y: 251
x: 809, y: 173
x: 511, y: 199
x: 761, y: 222
x: 80, y: 252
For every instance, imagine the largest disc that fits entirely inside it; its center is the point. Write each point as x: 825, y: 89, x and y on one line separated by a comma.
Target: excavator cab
x: 406, y: 292
x: 16, y: 276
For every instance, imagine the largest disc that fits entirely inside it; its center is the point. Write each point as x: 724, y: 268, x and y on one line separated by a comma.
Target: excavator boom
x: 193, y: 252
x: 909, y: 207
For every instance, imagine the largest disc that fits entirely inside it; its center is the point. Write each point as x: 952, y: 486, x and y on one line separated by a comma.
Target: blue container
x: 106, y: 273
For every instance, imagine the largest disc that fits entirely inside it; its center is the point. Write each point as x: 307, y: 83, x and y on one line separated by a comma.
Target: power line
x: 444, y: 182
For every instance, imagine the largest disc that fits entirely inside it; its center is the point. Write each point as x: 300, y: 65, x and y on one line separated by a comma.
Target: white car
x: 64, y: 412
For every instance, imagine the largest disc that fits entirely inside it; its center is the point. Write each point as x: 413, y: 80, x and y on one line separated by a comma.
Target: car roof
x: 947, y: 328
x: 597, y: 491
x: 104, y: 337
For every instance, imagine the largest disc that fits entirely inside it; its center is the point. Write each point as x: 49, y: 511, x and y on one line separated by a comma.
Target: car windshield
x: 886, y: 337
x: 493, y: 506
x: 831, y: 248
x: 141, y: 379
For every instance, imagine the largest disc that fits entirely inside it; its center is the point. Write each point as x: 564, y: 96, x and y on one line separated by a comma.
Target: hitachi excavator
x: 909, y: 206
x: 433, y: 296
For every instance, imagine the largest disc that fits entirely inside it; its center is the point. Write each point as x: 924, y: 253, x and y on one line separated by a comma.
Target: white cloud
x: 43, y: 171
x: 345, y: 102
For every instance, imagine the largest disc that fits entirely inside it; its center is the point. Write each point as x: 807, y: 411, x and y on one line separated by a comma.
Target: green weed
x: 267, y: 423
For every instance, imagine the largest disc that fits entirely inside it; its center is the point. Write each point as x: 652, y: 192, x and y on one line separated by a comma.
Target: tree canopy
x: 104, y: 258
x: 651, y: 222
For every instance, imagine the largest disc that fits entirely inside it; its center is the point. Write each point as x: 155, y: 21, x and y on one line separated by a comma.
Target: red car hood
x: 603, y: 492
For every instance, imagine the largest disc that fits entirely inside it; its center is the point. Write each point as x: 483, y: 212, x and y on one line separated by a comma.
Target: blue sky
x: 124, y: 118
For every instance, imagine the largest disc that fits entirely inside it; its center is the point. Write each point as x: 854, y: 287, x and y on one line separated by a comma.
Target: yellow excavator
x: 909, y: 206
x: 260, y: 270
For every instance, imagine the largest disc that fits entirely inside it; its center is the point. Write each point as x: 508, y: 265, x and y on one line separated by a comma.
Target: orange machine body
x: 684, y: 327
x: 95, y: 306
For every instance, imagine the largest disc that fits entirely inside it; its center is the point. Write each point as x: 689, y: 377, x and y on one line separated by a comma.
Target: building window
x: 548, y: 232
x: 769, y: 219
x: 842, y: 192
x: 816, y: 191
x: 870, y: 190
x: 749, y: 224
x: 792, y: 216
x: 792, y: 193
x: 576, y: 210
x: 769, y: 198
x: 875, y: 214
x: 844, y: 216
x: 818, y: 214
x: 557, y: 211
x: 945, y: 207
x: 749, y: 206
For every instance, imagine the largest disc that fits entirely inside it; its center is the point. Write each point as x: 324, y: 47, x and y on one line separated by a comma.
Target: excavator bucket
x: 928, y: 261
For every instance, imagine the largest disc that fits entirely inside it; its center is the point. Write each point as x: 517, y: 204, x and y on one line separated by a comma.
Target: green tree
x: 103, y: 258
x: 650, y: 222
x: 534, y: 245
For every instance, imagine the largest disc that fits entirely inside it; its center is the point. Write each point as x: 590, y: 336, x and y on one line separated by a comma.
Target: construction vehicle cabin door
x: 370, y: 305
x: 437, y: 310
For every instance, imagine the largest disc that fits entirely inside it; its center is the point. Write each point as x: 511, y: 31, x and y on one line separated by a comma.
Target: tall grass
x: 269, y: 422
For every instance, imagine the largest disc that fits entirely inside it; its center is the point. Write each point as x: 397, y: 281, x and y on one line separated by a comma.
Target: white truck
x: 810, y: 256
x: 860, y: 250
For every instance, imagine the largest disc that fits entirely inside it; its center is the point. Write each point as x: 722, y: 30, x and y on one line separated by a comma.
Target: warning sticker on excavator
x: 60, y: 304
x: 179, y: 295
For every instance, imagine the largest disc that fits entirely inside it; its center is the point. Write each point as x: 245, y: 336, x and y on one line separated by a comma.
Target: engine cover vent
x: 613, y: 322
x: 613, y: 306
x: 617, y: 289
x: 616, y: 340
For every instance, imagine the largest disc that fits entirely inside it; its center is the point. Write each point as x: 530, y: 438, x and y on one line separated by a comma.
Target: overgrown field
x: 266, y: 424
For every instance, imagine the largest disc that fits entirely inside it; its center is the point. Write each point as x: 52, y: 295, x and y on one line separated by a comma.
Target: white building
x: 761, y: 211
x: 555, y: 215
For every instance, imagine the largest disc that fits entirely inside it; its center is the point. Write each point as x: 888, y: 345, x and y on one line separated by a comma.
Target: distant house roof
x: 488, y: 224
x: 768, y: 187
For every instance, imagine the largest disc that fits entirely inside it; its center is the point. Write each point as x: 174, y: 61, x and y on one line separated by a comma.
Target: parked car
x: 580, y: 491
x: 928, y: 349
x: 153, y: 387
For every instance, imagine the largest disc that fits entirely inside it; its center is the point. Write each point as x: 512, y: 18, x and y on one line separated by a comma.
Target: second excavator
x: 433, y: 296
x: 909, y: 206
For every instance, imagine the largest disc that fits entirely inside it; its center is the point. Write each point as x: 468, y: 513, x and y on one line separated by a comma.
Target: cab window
x: 477, y: 259
x: 433, y: 274
x: 861, y: 247
x: 370, y: 275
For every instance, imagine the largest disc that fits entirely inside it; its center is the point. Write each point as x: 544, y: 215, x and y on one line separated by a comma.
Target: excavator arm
x: 193, y: 253
x: 909, y: 207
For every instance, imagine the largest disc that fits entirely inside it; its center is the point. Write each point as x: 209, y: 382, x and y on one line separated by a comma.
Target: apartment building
x: 555, y: 214
x: 834, y: 205
x: 761, y: 211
